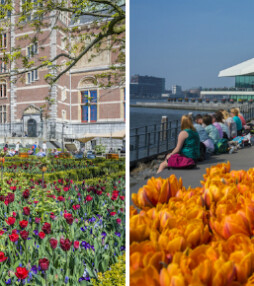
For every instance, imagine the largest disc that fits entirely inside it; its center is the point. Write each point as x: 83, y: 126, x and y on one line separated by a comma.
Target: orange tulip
x: 133, y: 211
x: 148, y: 276
x: 244, y: 265
x: 225, y: 273
x: 140, y: 226
x: 157, y: 190
x: 172, y: 276
x: 204, y: 235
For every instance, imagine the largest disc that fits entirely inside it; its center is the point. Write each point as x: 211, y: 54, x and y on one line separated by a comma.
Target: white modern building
x: 244, y: 82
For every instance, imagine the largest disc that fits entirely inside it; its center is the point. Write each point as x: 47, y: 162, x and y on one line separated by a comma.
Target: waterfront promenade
x: 198, y: 106
x: 243, y: 159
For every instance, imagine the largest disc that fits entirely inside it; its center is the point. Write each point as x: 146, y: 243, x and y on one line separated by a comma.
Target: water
x: 145, y: 116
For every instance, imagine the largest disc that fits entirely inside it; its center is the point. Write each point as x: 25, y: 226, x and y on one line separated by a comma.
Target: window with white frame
x: 32, y: 76
x: 31, y: 14
x: 89, y: 106
x: 3, y: 12
x: 3, y: 89
x: 63, y: 95
x: 3, y: 113
x: 63, y: 17
x: 3, y: 65
x: 3, y: 40
x: 32, y: 50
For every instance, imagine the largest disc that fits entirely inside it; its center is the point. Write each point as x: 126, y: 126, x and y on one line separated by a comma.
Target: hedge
x: 115, y: 276
x: 74, y: 174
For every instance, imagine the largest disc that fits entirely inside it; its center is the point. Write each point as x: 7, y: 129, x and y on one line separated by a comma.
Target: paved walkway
x: 242, y: 159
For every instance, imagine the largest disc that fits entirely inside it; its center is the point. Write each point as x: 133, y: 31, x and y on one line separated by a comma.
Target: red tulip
x: 41, y: 235
x: 2, y: 257
x: 24, y: 234
x: 46, y: 228
x: 89, y: 198
x: 53, y: 242
x: 26, y: 210
x: 14, y: 237
x: 76, y: 244
x: 23, y: 223
x: 68, y: 218
x: 21, y: 272
x: 11, y: 220
x: 44, y: 264
x: 65, y: 244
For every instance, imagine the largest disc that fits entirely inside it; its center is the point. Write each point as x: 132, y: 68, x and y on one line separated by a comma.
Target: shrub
x: 114, y: 276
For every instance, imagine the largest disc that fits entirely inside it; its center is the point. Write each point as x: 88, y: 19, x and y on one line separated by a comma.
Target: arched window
x: 3, y: 89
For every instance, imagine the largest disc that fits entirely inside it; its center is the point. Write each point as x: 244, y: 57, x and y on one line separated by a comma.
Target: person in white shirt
x: 44, y: 147
x: 12, y: 152
x: 17, y: 148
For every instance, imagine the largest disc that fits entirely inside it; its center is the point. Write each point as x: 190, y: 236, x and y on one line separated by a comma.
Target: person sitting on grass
x: 41, y: 153
x: 211, y: 130
x: 30, y: 151
x: 188, y: 143
x: 11, y: 152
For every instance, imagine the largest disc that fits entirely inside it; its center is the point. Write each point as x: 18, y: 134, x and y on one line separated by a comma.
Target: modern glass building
x: 244, y: 82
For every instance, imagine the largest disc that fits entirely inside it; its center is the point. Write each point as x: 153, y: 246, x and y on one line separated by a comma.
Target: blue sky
x: 189, y: 41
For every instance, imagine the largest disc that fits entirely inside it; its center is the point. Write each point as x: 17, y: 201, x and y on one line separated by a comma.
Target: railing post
x: 154, y: 139
x: 176, y: 128
x: 167, y: 139
x: 137, y: 146
x: 148, y: 145
x: 158, y: 142
x: 170, y: 130
x: 145, y: 135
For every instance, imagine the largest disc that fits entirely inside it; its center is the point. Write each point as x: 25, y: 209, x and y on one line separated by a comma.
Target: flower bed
x: 60, y: 232
x: 194, y: 236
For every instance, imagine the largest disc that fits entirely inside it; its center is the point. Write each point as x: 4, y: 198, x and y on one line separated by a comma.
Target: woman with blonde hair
x: 241, y: 116
x: 234, y: 113
x: 229, y: 121
x: 188, y: 144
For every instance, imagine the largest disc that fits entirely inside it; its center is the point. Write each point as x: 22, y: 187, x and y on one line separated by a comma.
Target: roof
x: 87, y: 19
x: 90, y: 136
x: 244, y: 68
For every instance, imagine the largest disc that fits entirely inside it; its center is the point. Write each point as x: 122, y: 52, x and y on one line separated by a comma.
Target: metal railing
x: 151, y: 140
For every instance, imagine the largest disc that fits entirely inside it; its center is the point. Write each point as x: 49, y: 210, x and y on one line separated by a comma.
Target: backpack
x: 179, y: 161
x: 221, y: 146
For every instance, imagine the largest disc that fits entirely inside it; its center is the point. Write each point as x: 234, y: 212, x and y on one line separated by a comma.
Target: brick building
x: 78, y: 104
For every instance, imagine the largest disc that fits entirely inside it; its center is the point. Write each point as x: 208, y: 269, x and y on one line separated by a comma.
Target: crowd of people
x: 10, y: 152
x: 204, y: 135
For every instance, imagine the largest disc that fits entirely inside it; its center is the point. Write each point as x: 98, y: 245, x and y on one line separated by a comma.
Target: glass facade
x: 244, y: 81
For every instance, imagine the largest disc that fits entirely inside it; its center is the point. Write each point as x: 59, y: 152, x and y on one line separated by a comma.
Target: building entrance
x: 31, y: 128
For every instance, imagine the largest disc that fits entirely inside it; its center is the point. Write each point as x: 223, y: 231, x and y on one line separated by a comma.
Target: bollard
x: 164, y: 127
x: 137, y: 146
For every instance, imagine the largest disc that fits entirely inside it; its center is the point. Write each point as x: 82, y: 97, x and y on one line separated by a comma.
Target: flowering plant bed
x: 194, y: 236
x: 62, y: 232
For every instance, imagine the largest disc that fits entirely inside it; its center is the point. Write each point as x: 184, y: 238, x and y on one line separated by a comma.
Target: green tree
x: 106, y: 31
